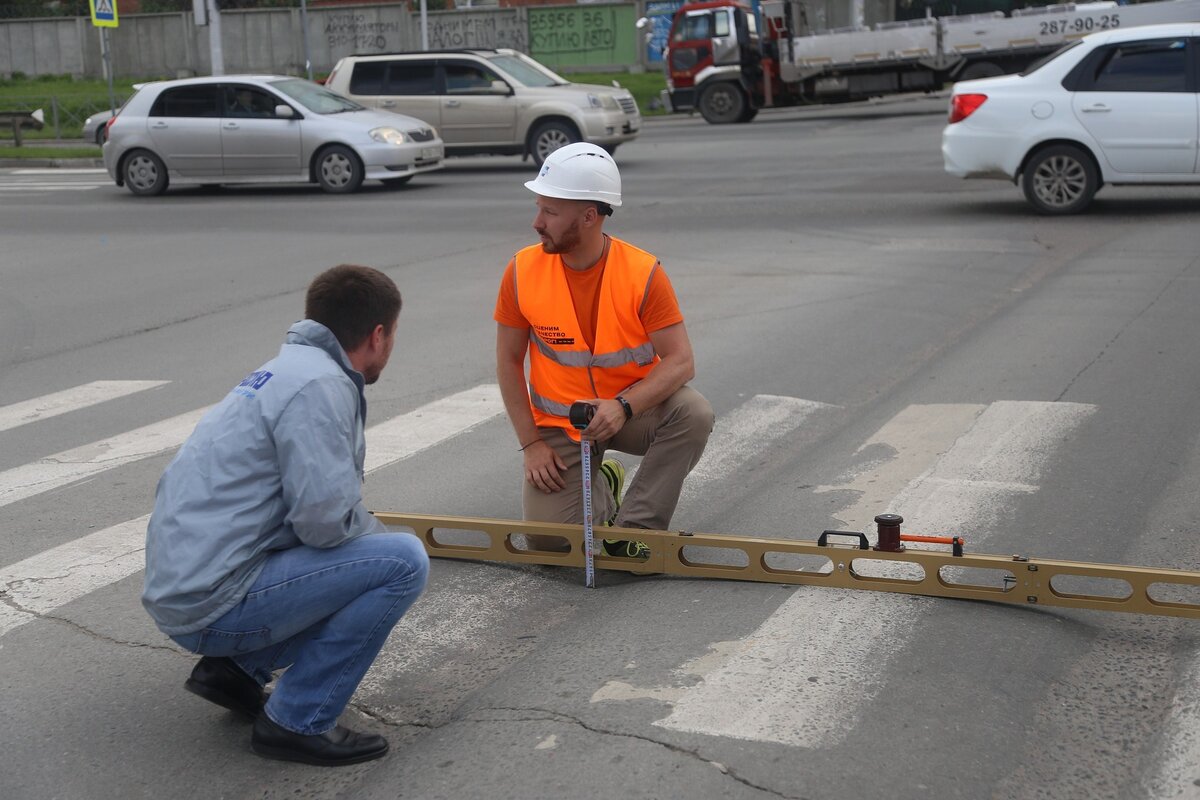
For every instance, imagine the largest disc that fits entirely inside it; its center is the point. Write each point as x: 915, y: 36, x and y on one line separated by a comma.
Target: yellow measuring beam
x: 1002, y: 579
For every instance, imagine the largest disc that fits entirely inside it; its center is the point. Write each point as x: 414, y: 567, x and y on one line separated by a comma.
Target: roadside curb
x: 50, y: 162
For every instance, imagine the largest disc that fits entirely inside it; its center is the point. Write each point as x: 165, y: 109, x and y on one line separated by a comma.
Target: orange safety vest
x: 561, y: 368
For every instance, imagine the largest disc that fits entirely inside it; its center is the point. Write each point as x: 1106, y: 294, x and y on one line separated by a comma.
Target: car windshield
x: 1044, y: 60
x: 315, y: 98
x: 527, y: 72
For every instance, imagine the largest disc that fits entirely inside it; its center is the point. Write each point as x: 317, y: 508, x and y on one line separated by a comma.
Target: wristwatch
x: 625, y: 405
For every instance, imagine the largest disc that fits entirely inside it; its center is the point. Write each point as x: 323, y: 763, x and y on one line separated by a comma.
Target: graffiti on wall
x: 588, y: 35
x: 359, y: 32
x: 459, y: 30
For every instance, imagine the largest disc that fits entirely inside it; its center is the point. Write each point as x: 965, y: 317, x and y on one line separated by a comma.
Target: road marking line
x: 1179, y: 742
x: 59, y: 171
x: 431, y: 424
x: 743, y: 434
x: 803, y: 677
x: 55, y: 577
x: 48, y: 580
x: 73, y: 465
x: 44, y: 188
x: 68, y: 400
x: 458, y: 617
x: 739, y: 436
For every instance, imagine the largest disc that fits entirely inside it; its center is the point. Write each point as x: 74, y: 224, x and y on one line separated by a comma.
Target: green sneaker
x: 625, y: 549
x: 613, y: 472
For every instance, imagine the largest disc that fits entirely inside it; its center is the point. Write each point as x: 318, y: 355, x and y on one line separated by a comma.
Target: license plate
x: 431, y: 152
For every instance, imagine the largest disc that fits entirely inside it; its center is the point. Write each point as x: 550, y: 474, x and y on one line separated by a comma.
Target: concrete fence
x: 571, y: 37
x: 272, y: 40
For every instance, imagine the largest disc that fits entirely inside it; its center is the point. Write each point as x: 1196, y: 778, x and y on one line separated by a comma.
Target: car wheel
x: 549, y: 136
x: 338, y: 170
x: 723, y: 103
x: 145, y: 173
x: 396, y: 181
x: 1061, y: 179
x: 100, y: 137
x: 981, y: 69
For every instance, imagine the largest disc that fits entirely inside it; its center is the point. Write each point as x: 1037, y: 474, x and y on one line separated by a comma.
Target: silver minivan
x: 261, y: 129
x: 490, y: 101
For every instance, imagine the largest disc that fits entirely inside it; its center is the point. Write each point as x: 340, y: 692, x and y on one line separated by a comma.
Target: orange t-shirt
x: 660, y: 309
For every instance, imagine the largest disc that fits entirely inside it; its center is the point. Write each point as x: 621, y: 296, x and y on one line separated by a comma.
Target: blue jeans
x: 323, y: 614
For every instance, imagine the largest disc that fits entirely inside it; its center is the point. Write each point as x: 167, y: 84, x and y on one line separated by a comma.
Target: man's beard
x: 566, y: 243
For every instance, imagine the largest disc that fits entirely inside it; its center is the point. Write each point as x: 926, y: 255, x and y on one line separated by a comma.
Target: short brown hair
x: 351, y: 300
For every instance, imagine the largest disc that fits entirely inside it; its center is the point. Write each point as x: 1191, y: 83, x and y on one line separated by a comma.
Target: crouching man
x: 260, y: 554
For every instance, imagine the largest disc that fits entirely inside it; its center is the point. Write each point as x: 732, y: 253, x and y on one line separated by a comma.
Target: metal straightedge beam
x: 886, y: 567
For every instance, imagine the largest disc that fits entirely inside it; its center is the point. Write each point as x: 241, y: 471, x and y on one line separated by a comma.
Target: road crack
x: 7, y: 599
x: 547, y: 715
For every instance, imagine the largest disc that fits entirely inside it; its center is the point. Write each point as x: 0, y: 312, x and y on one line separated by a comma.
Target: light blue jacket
x: 277, y: 464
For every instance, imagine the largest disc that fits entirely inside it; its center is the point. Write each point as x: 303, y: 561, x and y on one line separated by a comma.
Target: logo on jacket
x: 254, y: 381
x: 551, y: 334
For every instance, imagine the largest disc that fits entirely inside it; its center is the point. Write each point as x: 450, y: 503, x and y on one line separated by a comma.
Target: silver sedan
x: 261, y: 129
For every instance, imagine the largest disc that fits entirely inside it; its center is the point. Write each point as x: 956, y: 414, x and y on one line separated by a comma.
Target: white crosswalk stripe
x: 950, y: 467
x: 25, y: 188
x: 68, y: 400
x: 94, y: 171
x: 46, y: 581
x: 76, y: 464
x: 738, y: 437
x: 804, y: 676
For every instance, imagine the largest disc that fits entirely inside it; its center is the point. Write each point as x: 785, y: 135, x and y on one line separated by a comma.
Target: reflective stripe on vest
x: 561, y: 368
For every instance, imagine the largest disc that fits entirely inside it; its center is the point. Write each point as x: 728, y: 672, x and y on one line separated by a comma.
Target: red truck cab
x: 718, y: 62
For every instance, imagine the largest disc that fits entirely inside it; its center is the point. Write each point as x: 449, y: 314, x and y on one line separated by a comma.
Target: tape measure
x: 581, y: 416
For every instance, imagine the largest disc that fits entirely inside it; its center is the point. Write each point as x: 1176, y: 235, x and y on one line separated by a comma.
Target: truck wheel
x: 722, y: 103
x: 549, y: 136
x: 1061, y: 179
x: 145, y: 173
x: 980, y: 69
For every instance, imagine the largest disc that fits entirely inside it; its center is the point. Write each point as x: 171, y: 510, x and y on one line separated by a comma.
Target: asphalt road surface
x: 874, y: 336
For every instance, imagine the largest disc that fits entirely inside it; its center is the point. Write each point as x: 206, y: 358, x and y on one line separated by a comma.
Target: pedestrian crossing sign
x: 104, y: 13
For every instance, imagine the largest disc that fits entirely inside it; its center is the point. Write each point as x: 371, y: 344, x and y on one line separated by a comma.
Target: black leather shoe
x: 334, y: 748
x: 218, y: 680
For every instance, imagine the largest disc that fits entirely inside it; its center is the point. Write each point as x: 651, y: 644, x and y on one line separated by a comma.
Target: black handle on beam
x: 863, y: 544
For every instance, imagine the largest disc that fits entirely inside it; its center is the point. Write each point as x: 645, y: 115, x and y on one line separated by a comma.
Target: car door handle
x: 453, y: 104
x: 159, y: 125
x: 388, y: 104
x: 231, y: 126
x: 1097, y: 109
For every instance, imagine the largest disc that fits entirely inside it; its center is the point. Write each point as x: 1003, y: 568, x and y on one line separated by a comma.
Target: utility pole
x: 207, y: 13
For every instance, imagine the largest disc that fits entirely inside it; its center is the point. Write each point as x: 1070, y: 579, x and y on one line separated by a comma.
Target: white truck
x: 732, y: 70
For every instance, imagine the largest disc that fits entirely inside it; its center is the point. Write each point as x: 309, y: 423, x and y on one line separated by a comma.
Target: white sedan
x: 1116, y: 107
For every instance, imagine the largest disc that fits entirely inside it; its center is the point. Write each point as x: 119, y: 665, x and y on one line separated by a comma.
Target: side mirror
x: 285, y: 112
x: 500, y: 87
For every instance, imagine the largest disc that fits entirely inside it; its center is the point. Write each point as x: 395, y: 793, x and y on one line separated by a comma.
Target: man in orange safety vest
x: 598, y: 321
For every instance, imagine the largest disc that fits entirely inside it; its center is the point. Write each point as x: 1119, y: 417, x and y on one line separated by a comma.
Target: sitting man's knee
x: 408, y: 550
x: 697, y: 411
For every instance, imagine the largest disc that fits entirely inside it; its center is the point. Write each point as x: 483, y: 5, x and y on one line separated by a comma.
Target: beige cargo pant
x: 671, y: 438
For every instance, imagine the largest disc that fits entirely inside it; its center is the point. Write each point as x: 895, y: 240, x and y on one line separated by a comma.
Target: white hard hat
x: 579, y: 171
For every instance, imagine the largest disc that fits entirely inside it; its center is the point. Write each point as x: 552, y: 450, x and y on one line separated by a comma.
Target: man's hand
x: 607, y: 422
x: 543, y: 467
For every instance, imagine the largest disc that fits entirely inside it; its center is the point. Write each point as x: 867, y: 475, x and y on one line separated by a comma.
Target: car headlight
x: 388, y: 136
x: 602, y: 101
